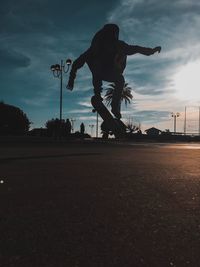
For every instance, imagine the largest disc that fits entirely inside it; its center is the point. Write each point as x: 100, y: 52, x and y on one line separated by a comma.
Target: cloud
x: 87, y: 118
x: 36, y: 34
x: 49, y: 16
x: 79, y: 111
x: 151, y: 116
x: 11, y: 59
x: 85, y: 103
x: 124, y: 9
x: 151, y: 23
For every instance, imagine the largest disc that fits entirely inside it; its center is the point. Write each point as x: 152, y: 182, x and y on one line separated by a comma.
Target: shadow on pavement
x: 48, y: 156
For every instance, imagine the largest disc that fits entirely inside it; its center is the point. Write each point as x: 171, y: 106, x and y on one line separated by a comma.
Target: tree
x: 132, y: 128
x: 13, y: 120
x: 53, y: 127
x: 57, y: 128
x: 126, y: 94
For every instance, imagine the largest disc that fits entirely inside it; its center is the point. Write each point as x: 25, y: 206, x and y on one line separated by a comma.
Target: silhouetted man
x: 82, y: 128
x: 106, y: 59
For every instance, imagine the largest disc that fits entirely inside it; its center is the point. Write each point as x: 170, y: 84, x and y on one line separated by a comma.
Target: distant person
x: 82, y: 128
x: 68, y: 127
x: 106, y: 59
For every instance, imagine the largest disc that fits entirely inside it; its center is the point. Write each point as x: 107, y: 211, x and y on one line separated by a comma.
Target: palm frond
x: 126, y: 94
x: 108, y: 96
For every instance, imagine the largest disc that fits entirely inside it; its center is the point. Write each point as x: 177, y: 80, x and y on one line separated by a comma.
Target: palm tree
x: 126, y: 94
x: 132, y: 128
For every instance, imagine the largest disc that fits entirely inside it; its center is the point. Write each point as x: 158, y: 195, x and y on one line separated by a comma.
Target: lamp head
x: 57, y: 67
x: 53, y: 67
x: 68, y: 61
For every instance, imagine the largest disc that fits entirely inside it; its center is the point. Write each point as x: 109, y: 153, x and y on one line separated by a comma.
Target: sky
x: 35, y: 34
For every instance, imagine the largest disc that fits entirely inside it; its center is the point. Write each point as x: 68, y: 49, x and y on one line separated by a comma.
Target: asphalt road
x: 90, y: 204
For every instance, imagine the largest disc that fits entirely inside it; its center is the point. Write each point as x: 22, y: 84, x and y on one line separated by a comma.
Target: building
x: 153, y: 131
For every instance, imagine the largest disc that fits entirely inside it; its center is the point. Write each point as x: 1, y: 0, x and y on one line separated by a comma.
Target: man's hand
x: 70, y: 84
x: 157, y: 49
x: 69, y: 87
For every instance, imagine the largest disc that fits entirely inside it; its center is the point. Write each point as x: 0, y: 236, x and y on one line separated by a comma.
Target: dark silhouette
x: 39, y: 132
x: 106, y: 59
x: 68, y: 127
x: 13, y: 120
x: 104, y: 130
x: 82, y: 128
x: 153, y: 131
x: 110, y: 125
x: 126, y: 95
x: 132, y: 128
x: 58, y: 129
x: 53, y: 126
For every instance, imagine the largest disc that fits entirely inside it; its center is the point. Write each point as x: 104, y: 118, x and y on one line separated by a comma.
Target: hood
x: 108, y: 34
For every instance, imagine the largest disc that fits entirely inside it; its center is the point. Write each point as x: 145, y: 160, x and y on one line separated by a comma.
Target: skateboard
x: 110, y: 124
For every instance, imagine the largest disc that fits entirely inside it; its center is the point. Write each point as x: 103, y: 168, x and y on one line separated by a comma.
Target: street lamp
x: 97, y: 122
x: 57, y: 71
x: 175, y: 115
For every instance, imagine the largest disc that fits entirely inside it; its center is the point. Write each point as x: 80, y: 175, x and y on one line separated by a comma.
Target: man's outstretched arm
x: 134, y: 49
x: 77, y: 64
x: 147, y: 51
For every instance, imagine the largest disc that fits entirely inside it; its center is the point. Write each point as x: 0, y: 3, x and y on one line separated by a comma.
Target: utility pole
x: 199, y: 120
x: 97, y: 125
x: 57, y: 71
x: 185, y: 121
x: 97, y: 122
x: 175, y: 116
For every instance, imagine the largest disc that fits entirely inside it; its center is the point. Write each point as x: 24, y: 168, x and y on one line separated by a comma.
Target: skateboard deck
x: 112, y: 125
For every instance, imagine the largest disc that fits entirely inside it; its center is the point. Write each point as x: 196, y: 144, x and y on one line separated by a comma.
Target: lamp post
x: 91, y: 126
x: 97, y: 122
x: 175, y: 116
x: 58, y: 70
x: 97, y: 126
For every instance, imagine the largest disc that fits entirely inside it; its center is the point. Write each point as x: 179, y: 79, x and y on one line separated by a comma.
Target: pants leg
x: 116, y: 100
x: 97, y: 83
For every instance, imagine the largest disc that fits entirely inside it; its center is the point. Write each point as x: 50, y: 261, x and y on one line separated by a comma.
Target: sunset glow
x: 38, y: 35
x: 187, y: 82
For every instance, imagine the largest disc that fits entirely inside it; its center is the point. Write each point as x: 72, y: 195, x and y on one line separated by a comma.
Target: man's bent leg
x: 97, y: 83
x: 116, y: 100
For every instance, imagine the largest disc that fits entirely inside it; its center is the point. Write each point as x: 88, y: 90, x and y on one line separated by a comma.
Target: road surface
x: 99, y: 204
